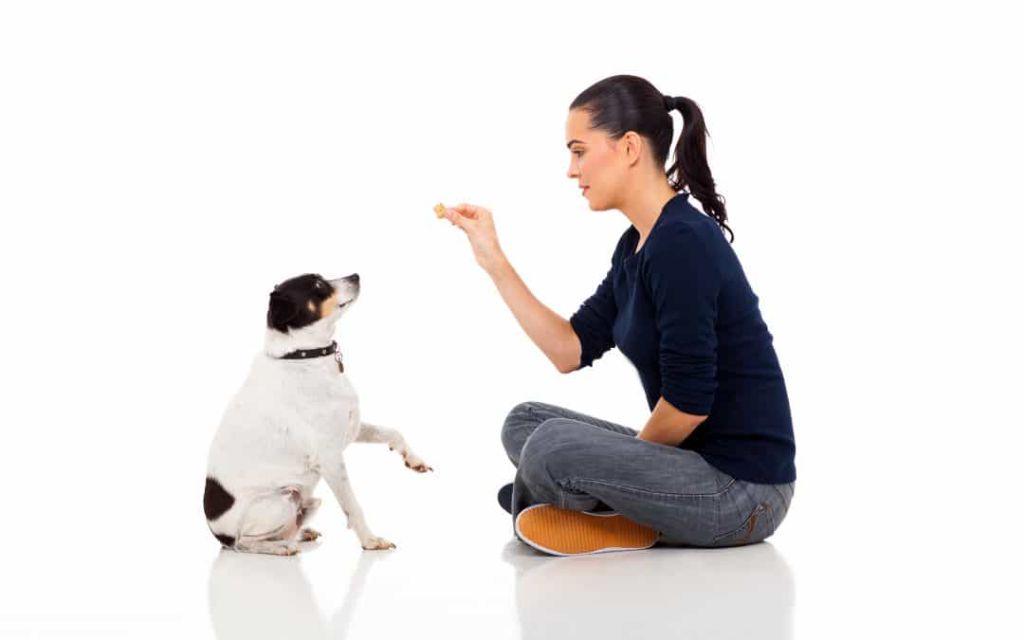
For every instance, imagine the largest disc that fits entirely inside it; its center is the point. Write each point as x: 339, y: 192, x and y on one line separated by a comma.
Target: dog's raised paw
x: 308, y: 535
x: 377, y: 544
x: 413, y: 462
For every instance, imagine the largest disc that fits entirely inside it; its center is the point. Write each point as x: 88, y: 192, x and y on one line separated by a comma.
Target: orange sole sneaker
x: 562, y: 532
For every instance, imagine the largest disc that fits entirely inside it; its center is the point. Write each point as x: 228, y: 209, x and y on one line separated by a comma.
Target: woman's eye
x: 577, y: 153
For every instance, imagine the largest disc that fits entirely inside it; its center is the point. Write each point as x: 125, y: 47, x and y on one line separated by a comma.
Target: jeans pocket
x: 758, y: 525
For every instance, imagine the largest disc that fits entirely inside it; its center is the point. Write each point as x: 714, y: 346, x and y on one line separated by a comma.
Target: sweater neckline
x: 632, y: 253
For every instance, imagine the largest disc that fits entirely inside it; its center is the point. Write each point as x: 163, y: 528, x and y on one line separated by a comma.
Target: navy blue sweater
x: 681, y: 310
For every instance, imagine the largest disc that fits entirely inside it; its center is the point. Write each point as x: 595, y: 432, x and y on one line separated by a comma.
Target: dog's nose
x: 354, y: 278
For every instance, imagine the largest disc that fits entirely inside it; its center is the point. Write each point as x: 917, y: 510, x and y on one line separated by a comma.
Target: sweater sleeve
x: 683, y: 283
x: 593, y: 322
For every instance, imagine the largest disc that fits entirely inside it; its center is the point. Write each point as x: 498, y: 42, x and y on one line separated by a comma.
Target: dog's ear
x: 281, y: 311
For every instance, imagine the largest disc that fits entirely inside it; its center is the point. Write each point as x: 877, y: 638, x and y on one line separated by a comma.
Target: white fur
x: 285, y: 429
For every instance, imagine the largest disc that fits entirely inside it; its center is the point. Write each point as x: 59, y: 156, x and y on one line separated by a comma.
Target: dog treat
x: 439, y: 210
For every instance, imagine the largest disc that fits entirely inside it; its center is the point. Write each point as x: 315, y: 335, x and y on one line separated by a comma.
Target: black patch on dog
x: 216, y: 500
x: 227, y: 541
x: 289, y: 302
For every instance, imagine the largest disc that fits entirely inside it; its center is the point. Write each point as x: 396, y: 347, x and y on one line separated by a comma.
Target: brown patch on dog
x: 327, y: 306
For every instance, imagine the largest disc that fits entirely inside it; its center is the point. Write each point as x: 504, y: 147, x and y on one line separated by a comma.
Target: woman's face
x: 594, y: 161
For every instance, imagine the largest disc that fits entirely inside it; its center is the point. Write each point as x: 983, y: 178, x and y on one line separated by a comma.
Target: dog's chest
x: 349, y: 403
x: 337, y: 413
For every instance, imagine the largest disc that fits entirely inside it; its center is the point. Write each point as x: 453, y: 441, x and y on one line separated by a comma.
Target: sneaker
x: 505, y: 497
x: 562, y: 532
x: 505, y: 500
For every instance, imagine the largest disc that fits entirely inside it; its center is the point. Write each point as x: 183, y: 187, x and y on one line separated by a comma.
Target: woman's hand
x: 478, y: 224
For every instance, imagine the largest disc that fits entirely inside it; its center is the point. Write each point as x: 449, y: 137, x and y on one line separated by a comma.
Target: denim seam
x: 657, y: 493
x: 782, y: 496
x: 562, y: 492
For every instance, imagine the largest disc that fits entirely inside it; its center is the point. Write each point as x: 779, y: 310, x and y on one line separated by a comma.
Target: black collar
x: 303, y: 354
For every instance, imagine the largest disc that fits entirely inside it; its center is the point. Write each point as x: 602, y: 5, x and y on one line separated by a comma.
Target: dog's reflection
x: 739, y: 592
x: 256, y: 596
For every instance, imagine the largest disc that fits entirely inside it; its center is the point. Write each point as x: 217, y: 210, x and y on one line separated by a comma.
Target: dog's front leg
x: 373, y: 433
x: 336, y: 475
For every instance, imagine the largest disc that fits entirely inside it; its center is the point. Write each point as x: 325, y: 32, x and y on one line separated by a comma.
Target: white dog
x: 288, y: 426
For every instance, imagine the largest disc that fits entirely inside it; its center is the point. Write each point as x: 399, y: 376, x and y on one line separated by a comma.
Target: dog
x: 288, y: 426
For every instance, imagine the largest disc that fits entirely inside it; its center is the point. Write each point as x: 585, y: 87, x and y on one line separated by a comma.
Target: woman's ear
x: 281, y: 311
x: 632, y: 146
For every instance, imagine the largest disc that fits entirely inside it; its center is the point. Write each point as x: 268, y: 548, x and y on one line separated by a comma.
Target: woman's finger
x: 458, y: 219
x: 468, y: 210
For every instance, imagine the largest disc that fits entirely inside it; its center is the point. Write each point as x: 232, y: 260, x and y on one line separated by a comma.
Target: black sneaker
x: 505, y: 497
x: 505, y: 500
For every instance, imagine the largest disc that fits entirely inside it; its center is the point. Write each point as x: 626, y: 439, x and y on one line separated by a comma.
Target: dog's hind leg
x: 271, y: 547
x: 270, y: 523
x: 391, y: 437
x: 308, y: 509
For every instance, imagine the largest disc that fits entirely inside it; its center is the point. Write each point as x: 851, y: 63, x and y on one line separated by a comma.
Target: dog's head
x: 309, y: 298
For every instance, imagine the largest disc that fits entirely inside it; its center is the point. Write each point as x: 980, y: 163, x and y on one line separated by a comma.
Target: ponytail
x: 690, y: 166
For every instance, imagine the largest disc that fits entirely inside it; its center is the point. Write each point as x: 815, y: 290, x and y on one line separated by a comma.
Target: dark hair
x: 628, y: 103
x: 290, y: 300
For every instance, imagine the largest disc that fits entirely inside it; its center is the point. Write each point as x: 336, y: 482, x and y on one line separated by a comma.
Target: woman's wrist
x: 499, y: 267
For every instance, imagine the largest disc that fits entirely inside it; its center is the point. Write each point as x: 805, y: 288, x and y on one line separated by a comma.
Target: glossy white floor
x: 835, y: 569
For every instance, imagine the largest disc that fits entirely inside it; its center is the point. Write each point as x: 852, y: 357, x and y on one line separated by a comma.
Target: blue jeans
x: 581, y: 463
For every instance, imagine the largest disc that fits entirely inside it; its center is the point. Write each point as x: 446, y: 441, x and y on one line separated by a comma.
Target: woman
x: 714, y: 464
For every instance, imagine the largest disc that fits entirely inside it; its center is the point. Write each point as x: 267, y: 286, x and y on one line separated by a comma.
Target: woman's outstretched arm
x: 549, y: 331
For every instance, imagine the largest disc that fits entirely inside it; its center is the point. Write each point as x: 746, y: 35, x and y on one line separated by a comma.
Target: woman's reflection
x: 740, y: 592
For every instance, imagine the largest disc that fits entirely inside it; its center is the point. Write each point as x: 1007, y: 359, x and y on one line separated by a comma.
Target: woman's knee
x: 519, y: 424
x: 553, y: 440
x: 550, y: 460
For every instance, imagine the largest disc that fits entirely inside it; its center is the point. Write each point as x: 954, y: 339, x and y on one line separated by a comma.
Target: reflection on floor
x: 740, y: 592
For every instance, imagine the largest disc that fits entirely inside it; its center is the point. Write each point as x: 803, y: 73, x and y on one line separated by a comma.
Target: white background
x: 163, y: 165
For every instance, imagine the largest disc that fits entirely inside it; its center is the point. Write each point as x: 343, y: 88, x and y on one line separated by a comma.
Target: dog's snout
x: 346, y: 282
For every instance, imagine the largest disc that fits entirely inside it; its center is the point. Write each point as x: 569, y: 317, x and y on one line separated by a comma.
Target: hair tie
x: 670, y: 103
